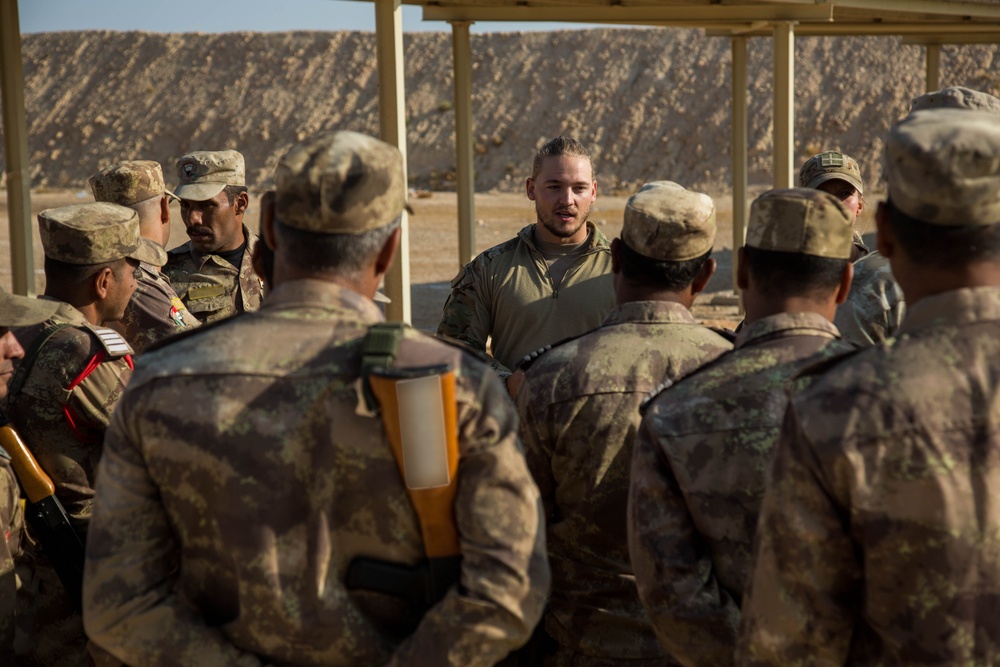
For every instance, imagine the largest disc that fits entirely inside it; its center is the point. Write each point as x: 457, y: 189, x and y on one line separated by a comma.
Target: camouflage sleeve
x: 537, y: 447
x: 505, y: 572
x: 694, y: 617
x: 467, y: 316
x: 130, y: 606
x: 11, y: 519
x: 805, y: 582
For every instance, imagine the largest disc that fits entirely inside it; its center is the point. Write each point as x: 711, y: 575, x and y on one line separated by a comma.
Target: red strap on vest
x: 91, y: 366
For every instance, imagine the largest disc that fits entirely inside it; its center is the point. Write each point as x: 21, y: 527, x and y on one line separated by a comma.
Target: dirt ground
x: 434, y: 243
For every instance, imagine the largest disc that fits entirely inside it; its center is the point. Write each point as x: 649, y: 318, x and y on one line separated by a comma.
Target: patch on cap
x: 957, y: 97
x: 829, y: 166
x: 95, y: 233
x: 943, y: 166
x: 340, y: 183
x: 803, y: 221
x: 204, y: 174
x: 128, y: 183
x: 20, y: 311
x: 666, y: 222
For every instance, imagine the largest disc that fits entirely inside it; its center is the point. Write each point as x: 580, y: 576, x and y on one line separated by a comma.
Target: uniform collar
x: 595, y: 241
x: 954, y: 308
x: 321, y: 294
x: 649, y: 311
x: 786, y: 324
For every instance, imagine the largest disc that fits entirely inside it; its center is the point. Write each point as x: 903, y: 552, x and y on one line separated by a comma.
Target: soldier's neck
x: 87, y: 307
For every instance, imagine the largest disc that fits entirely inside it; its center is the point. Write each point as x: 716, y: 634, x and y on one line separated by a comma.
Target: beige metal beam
x: 933, y: 79
x: 739, y: 144
x: 981, y: 38
x: 392, y: 127
x: 931, y: 7
x: 466, y: 177
x: 784, y: 104
x: 22, y: 258
x: 694, y: 15
x: 938, y: 30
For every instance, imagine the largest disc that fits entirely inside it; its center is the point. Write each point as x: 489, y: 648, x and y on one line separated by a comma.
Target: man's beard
x: 557, y: 227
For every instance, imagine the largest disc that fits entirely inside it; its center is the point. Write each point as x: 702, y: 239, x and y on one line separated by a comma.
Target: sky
x: 231, y: 15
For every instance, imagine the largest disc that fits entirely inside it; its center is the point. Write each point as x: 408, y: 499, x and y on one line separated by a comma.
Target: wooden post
x: 466, y: 178
x: 784, y: 104
x: 739, y: 147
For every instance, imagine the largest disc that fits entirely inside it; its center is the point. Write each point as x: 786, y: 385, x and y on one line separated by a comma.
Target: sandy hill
x: 652, y: 103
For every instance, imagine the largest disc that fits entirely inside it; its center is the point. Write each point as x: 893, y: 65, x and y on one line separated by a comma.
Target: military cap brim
x: 21, y: 311
x: 198, y: 191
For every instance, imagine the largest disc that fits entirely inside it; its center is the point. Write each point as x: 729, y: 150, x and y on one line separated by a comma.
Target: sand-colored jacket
x: 877, y: 541
x: 212, y: 288
x: 579, y: 408
x: 240, y: 480
x: 506, y: 292
x: 698, y: 477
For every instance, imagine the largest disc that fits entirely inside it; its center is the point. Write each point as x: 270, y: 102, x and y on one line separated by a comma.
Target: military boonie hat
x: 956, y: 97
x: 804, y: 221
x: 340, y: 183
x: 828, y: 166
x: 95, y: 233
x: 943, y: 166
x: 204, y: 174
x: 128, y: 183
x: 666, y: 222
x: 20, y: 311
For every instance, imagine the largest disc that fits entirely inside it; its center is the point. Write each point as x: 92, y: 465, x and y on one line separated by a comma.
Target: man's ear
x: 742, y: 272
x: 165, y: 210
x: 529, y: 188
x: 242, y: 203
x: 704, y: 274
x: 101, y: 282
x: 846, y: 278
x: 385, y: 256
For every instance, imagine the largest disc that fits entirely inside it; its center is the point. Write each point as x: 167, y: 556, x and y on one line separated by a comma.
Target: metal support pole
x: 466, y: 179
x: 22, y: 259
x: 933, y: 67
x: 392, y: 126
x: 739, y: 146
x: 784, y: 104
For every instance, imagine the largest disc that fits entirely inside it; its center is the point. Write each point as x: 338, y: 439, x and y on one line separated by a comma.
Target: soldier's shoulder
x: 82, y: 340
x: 490, y: 255
x: 179, y: 255
x: 552, y: 352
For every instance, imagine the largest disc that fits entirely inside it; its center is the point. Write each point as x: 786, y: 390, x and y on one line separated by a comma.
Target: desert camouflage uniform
x: 249, y: 466
x: 154, y: 312
x: 212, y: 288
x: 874, y: 309
x: 64, y: 426
x: 506, y: 292
x: 698, y: 474
x: 877, y: 543
x: 579, y: 408
x: 12, y: 521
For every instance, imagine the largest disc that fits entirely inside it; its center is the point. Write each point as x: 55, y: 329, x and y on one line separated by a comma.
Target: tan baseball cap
x: 956, y: 97
x: 943, y: 166
x: 340, y: 183
x: 128, y: 183
x: 804, y: 221
x: 204, y: 174
x: 95, y: 233
x: 20, y: 311
x: 666, y: 222
x: 828, y: 166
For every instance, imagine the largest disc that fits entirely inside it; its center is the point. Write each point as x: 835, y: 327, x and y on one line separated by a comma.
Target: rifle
x: 45, y: 514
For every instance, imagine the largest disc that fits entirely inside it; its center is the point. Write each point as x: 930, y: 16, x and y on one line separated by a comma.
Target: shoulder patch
x: 113, y: 343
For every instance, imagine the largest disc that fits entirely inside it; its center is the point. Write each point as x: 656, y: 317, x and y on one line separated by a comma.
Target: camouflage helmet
x: 340, y: 183
x: 829, y: 166
x: 956, y: 97
x: 666, y: 222
x: 128, y: 183
x: 204, y: 174
x: 20, y: 311
x: 943, y: 166
x: 95, y: 233
x: 804, y: 221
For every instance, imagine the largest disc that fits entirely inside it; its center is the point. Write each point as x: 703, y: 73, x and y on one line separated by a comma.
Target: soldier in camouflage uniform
x: 15, y: 311
x: 550, y: 282
x: 259, y: 469
x: 213, y: 272
x: 702, y: 450
x: 876, y: 541
x: 64, y: 391
x: 579, y: 408
x: 154, y: 311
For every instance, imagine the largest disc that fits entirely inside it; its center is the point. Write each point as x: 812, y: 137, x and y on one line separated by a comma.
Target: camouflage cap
x: 340, y: 183
x: 20, y: 311
x: 804, y: 221
x: 128, y: 183
x: 828, y: 166
x: 204, y: 174
x: 956, y: 97
x: 666, y: 222
x: 943, y: 166
x: 95, y: 233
